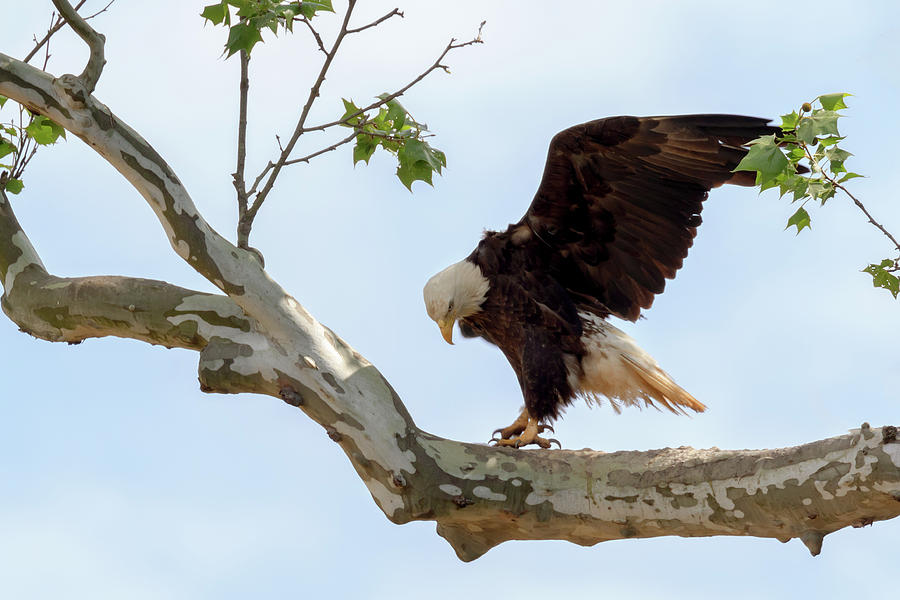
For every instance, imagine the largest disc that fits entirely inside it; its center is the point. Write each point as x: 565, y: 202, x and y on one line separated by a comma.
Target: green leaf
x: 308, y: 8
x: 349, y: 109
x: 242, y: 37
x: 788, y: 183
x: 882, y: 278
x: 396, y: 112
x: 795, y: 153
x: 14, y: 186
x: 417, y: 150
x: 820, y: 189
x: 11, y: 131
x: 830, y: 141
x: 44, y: 131
x: 849, y: 176
x: 789, y: 121
x: 440, y: 156
x: 799, y: 219
x: 418, y: 161
x: 6, y: 147
x: 3, y: 100
x: 766, y: 158
x: 364, y: 148
x: 800, y: 189
x: 380, y: 121
x: 837, y: 154
x: 833, y: 101
x: 819, y: 123
x: 215, y: 13
x: 408, y: 172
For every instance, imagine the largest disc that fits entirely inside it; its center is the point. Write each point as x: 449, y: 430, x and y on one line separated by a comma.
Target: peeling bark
x: 257, y: 338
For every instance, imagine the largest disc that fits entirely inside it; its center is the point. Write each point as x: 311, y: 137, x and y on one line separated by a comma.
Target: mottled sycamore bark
x: 254, y: 337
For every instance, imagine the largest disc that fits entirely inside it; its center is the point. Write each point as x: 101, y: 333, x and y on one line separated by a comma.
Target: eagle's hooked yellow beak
x: 446, y: 326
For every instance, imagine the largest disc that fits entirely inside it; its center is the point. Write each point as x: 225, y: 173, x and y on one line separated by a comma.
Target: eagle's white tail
x: 616, y: 367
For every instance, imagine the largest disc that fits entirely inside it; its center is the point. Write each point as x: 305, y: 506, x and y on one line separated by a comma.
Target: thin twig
x: 859, y: 204
x: 436, y: 65
x: 315, y: 34
x: 53, y: 29
x: 356, y: 132
x: 271, y: 171
x: 298, y: 130
x: 259, y: 178
x: 866, y: 212
x: 376, y: 22
x: 334, y: 146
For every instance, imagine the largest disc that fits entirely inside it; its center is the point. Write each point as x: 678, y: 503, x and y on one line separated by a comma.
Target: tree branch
x: 871, y: 219
x: 452, y: 45
x: 95, y: 41
x: 57, y: 23
x: 315, y: 35
x: 378, y: 21
x: 239, y: 184
x: 61, y: 309
x: 273, y: 169
x: 190, y: 235
x: 250, y: 215
x: 334, y: 146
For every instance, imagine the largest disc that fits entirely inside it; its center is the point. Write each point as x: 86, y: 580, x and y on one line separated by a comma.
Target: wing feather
x: 619, y: 203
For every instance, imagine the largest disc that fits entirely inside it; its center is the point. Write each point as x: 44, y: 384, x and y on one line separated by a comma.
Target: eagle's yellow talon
x: 527, y: 429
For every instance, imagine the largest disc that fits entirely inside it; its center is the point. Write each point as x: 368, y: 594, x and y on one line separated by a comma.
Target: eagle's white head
x: 455, y: 293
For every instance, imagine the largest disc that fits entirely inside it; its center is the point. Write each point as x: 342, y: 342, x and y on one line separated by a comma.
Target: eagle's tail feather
x: 617, y: 368
x: 660, y: 388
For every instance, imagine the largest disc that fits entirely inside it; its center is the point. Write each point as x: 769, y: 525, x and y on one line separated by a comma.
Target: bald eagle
x: 613, y: 218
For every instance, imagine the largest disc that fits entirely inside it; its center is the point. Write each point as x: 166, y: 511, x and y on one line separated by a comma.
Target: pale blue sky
x: 119, y: 479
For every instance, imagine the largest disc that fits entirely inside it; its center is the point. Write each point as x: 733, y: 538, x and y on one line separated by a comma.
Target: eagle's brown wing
x: 620, y: 201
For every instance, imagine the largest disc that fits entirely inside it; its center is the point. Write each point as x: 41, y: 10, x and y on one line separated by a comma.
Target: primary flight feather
x: 614, y: 216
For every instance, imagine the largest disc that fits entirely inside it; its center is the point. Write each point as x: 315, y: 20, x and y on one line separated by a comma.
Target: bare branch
x: 315, y: 34
x: 334, y: 146
x: 95, y: 41
x: 436, y: 65
x: 298, y: 130
x: 871, y: 219
x: 240, y: 185
x: 56, y: 25
x: 273, y: 169
x: 376, y: 22
x: 102, y: 10
x: 259, y: 178
x: 837, y: 185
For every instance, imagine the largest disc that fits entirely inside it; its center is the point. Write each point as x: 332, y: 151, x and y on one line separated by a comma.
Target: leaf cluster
x: 19, y: 142
x: 398, y: 133
x: 246, y: 19
x: 805, y: 161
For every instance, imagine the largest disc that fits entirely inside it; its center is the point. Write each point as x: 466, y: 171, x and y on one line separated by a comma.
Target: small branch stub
x: 290, y: 395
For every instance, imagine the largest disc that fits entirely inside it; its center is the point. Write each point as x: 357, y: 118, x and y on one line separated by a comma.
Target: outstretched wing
x: 620, y: 201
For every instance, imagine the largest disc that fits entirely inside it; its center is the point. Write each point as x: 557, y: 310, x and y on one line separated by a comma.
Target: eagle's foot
x: 526, y: 430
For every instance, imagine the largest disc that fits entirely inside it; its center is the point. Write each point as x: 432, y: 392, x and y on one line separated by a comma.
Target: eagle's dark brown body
x: 614, y: 216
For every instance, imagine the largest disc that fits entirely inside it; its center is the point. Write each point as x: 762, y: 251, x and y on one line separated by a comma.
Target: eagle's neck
x: 470, y: 288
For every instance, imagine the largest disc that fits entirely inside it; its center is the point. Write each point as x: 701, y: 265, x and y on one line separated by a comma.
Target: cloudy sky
x: 119, y: 478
